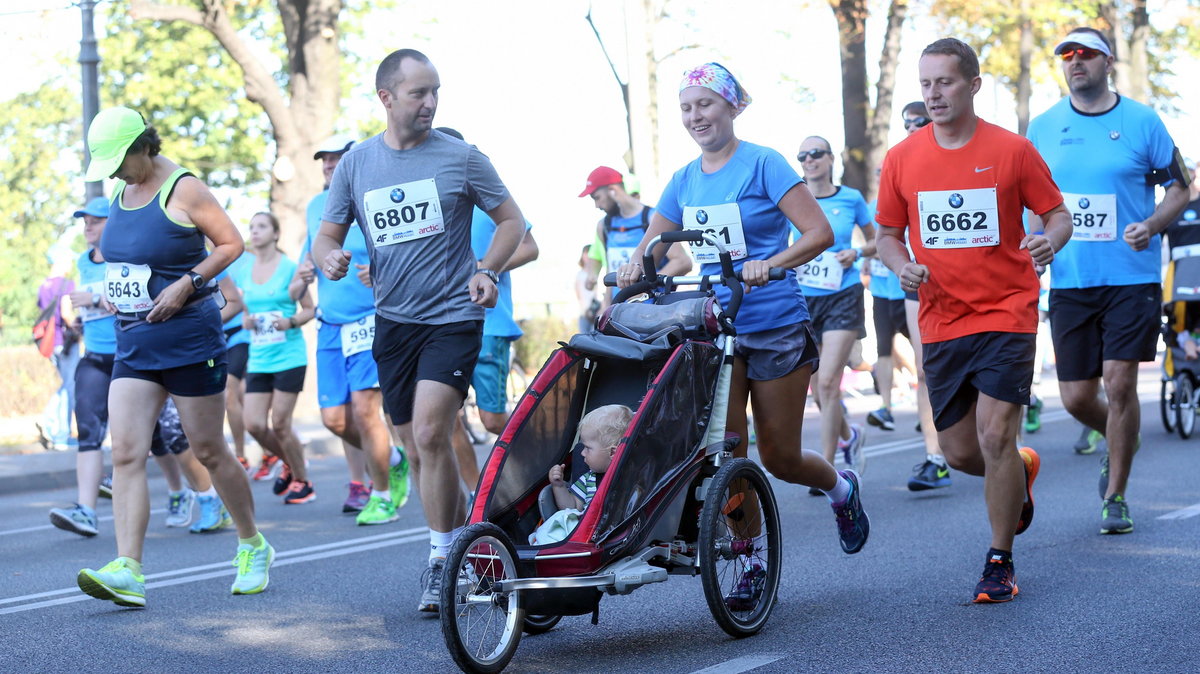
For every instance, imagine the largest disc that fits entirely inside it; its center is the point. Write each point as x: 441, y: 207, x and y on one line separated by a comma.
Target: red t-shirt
x: 963, y: 211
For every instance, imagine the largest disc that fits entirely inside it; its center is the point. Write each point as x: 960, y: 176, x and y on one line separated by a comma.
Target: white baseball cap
x: 334, y: 145
x: 1083, y: 38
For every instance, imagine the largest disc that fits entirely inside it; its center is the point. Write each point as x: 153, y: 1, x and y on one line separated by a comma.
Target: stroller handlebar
x: 728, y: 277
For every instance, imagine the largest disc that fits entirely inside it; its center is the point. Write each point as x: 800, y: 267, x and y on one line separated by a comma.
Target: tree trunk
x: 877, y: 133
x: 1024, y: 70
x: 1138, y: 56
x: 300, y: 120
x: 852, y: 27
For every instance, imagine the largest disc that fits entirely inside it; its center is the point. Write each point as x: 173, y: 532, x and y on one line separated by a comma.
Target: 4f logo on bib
x: 404, y: 212
x: 959, y: 218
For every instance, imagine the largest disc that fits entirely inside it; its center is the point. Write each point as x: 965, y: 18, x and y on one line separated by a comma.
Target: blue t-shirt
x: 241, y: 335
x: 262, y: 301
x: 845, y: 209
x: 884, y: 283
x: 497, y: 321
x: 755, y: 179
x: 347, y: 300
x: 99, y: 334
x: 1092, y: 157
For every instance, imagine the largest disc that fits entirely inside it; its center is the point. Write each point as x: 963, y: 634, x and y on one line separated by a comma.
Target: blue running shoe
x: 929, y: 475
x: 852, y: 522
x: 213, y: 515
x: 115, y: 582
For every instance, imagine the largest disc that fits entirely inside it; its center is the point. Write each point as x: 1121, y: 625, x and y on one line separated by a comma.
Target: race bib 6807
x: 404, y: 212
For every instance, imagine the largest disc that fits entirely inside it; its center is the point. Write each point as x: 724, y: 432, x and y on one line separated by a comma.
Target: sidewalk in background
x: 25, y: 468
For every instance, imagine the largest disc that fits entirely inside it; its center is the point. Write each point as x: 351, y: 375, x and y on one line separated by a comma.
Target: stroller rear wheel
x: 481, y: 627
x: 1185, y: 405
x: 1167, y: 405
x: 740, y: 548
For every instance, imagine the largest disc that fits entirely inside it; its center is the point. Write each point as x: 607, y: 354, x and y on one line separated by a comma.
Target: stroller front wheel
x: 740, y: 548
x: 1185, y: 405
x: 481, y: 627
x: 1167, y: 405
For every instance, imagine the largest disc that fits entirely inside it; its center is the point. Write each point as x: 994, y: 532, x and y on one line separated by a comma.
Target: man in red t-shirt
x: 959, y: 187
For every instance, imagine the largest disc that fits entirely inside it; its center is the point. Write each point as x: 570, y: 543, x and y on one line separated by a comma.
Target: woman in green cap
x: 162, y: 284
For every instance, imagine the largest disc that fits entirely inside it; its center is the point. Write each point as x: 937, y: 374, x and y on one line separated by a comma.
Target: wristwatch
x: 197, y: 280
x: 490, y: 274
x: 96, y: 300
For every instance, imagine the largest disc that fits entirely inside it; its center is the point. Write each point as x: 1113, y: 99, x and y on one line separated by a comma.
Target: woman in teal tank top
x: 278, y: 360
x: 160, y: 280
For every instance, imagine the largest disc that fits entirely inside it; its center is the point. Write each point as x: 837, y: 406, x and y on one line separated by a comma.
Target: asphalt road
x: 342, y: 597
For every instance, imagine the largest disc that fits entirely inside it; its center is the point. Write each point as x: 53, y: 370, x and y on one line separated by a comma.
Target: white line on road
x: 44, y: 527
x: 208, y: 571
x: 1182, y: 513
x: 743, y: 664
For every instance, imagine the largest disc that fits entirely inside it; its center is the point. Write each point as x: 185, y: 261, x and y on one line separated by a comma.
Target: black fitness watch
x: 197, y: 280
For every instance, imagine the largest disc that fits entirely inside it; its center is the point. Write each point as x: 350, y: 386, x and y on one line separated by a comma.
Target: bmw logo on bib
x: 397, y: 195
x: 124, y: 271
x: 701, y: 217
x: 1084, y: 203
x: 956, y: 200
x: 1189, y: 215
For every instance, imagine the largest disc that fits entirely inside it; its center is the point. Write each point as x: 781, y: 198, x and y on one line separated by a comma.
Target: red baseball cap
x: 601, y: 177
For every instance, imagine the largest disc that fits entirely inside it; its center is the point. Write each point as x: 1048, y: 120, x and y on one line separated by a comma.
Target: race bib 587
x: 1094, y: 216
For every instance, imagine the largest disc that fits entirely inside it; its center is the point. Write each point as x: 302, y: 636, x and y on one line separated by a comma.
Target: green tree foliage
x: 37, y: 193
x: 185, y: 84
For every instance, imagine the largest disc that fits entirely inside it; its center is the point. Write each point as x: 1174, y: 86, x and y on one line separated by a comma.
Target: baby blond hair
x: 609, y: 422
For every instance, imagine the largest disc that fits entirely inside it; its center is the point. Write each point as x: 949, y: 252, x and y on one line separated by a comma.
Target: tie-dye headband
x: 716, y: 77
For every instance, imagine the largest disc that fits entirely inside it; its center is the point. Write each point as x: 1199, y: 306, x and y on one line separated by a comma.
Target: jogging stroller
x: 673, y: 501
x: 1178, y: 399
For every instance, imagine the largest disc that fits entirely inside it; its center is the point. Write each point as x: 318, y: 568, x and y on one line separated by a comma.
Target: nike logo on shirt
x: 981, y: 170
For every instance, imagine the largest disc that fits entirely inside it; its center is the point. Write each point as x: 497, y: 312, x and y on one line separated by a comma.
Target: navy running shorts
x: 996, y: 364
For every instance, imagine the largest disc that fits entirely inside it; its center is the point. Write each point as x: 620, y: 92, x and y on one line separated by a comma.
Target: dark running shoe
x: 929, y: 475
x: 852, y: 522
x: 882, y: 418
x: 1089, y: 442
x: 998, y: 583
x: 749, y: 589
x: 106, y: 487
x: 283, y: 482
x: 1115, y: 517
x: 301, y: 492
x: 1032, y: 463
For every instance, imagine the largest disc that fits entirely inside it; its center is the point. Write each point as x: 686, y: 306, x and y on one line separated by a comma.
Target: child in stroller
x: 599, y: 431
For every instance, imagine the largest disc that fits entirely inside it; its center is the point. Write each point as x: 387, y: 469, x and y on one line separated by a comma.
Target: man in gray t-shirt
x: 412, y: 189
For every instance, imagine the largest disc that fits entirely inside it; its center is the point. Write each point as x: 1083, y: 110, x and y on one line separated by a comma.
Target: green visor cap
x: 109, y: 137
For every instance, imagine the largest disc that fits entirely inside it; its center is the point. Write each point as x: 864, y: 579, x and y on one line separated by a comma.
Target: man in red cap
x: 622, y: 227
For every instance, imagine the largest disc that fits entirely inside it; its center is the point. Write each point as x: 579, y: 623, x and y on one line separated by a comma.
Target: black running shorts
x: 843, y: 310
x: 408, y: 352
x: 889, y: 318
x: 1092, y: 325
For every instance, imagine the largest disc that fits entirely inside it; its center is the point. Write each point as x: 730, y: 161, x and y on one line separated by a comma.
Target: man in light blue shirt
x: 1106, y: 153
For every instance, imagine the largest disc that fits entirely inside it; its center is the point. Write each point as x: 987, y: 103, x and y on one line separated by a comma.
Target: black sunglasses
x: 812, y: 154
x: 917, y: 122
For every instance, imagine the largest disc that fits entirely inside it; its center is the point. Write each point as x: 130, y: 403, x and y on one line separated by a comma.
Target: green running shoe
x: 378, y: 511
x: 1093, y: 443
x: 398, y: 481
x: 1033, y: 416
x: 1115, y: 517
x: 252, y: 565
x: 116, y: 582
